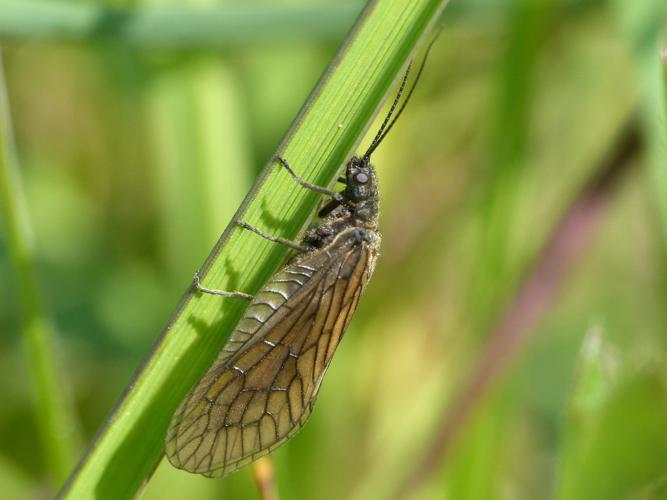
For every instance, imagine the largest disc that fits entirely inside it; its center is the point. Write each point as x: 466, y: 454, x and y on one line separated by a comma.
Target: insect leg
x: 276, y: 239
x: 236, y: 295
x: 328, y: 208
x: 308, y: 185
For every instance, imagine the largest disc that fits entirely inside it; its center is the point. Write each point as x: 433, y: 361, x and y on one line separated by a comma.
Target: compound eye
x: 361, y: 178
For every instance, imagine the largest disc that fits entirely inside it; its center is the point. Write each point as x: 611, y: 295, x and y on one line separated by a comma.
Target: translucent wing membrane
x: 262, y: 387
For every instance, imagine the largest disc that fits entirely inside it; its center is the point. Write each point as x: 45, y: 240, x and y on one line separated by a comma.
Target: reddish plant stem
x: 565, y: 245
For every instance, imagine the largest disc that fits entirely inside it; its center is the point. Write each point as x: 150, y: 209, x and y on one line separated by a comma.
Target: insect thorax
x: 358, y: 209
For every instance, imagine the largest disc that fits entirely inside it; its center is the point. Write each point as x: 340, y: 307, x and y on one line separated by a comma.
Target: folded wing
x: 262, y: 387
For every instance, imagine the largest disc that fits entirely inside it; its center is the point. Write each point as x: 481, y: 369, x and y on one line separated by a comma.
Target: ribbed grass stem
x: 324, y: 134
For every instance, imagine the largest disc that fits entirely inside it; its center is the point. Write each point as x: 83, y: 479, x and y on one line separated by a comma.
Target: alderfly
x: 262, y: 388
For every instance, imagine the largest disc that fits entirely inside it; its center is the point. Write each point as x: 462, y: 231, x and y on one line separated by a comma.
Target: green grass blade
x: 642, y: 23
x: 614, y: 440
x: 215, y: 26
x: 595, y: 379
x: 172, y: 25
x: 196, y: 125
x: 53, y: 412
x: 527, y: 26
x: 323, y: 135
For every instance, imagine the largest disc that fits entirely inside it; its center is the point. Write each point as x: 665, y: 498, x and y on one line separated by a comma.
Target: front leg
x: 313, y: 187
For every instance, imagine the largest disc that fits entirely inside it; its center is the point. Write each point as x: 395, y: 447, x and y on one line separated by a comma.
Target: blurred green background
x: 134, y: 156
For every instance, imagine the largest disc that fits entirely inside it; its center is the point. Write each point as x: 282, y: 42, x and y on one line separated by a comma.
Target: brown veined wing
x: 262, y: 387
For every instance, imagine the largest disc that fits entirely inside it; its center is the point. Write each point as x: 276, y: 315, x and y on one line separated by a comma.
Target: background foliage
x: 134, y: 155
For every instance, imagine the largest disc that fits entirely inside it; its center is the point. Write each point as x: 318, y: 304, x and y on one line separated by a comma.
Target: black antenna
x: 379, y: 135
x: 382, y: 133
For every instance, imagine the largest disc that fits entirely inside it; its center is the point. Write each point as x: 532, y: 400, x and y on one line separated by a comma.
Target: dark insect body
x: 263, y: 385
